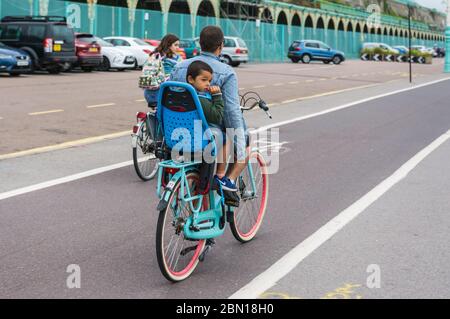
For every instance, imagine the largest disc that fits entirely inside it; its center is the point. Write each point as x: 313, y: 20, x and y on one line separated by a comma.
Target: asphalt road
x: 106, y: 223
x: 41, y: 110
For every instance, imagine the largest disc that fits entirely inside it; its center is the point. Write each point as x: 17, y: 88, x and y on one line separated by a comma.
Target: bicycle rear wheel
x: 178, y: 256
x: 145, y: 162
x: 248, y: 217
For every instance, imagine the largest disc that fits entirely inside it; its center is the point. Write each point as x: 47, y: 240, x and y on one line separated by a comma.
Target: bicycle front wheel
x: 178, y: 256
x: 253, y: 186
x: 145, y: 162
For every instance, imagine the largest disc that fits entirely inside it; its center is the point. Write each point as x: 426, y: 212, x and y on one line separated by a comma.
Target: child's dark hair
x: 196, y: 67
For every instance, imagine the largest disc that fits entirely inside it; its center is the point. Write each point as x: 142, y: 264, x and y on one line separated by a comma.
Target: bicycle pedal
x: 202, y: 256
x: 187, y: 250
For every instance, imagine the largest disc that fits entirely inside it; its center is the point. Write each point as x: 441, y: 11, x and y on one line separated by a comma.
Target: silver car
x: 235, y: 51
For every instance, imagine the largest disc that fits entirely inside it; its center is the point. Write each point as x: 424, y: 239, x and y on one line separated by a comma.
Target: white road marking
x: 70, y: 178
x: 100, y: 105
x: 293, y: 82
x: 45, y: 112
x: 59, y: 181
x: 1, y: 118
x: 289, y: 101
x: 278, y: 84
x: 141, y: 100
x: 259, y: 86
x: 334, y: 109
x: 288, y: 262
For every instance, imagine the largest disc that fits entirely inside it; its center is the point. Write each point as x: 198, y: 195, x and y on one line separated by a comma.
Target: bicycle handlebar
x: 253, y: 97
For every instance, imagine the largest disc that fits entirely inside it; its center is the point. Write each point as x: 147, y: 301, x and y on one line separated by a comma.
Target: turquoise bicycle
x: 191, y: 214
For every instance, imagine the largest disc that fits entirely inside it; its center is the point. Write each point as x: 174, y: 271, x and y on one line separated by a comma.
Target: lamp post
x: 409, y: 41
x: 447, y: 41
x: 410, y: 3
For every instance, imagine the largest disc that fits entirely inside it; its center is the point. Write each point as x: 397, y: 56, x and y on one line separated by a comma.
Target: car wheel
x: 235, y: 64
x: 136, y: 65
x: 306, y: 58
x: 326, y: 61
x: 294, y: 60
x: 337, y: 60
x: 106, y: 65
x: 227, y: 60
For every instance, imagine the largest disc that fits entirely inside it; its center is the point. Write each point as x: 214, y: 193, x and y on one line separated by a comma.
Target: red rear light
x: 195, y: 52
x: 48, y: 45
x: 147, y: 51
x: 135, y: 129
x: 171, y: 171
x: 141, y: 116
x: 238, y: 51
x: 297, y: 49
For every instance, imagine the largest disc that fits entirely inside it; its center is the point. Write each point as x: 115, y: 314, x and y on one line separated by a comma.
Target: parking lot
x: 43, y: 110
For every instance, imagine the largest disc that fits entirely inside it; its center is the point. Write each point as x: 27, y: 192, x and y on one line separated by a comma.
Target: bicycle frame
x: 201, y: 224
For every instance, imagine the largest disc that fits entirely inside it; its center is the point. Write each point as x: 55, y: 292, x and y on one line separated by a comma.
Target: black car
x: 49, y: 41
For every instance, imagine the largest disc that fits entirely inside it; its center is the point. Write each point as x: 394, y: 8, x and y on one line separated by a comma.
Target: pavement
x: 104, y: 220
x: 396, y: 249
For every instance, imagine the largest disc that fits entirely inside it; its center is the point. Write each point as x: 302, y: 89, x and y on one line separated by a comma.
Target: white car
x: 138, y: 47
x: 115, y: 57
x: 424, y: 49
x: 235, y: 51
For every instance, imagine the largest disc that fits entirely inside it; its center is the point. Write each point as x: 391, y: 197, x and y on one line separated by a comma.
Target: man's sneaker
x: 226, y: 184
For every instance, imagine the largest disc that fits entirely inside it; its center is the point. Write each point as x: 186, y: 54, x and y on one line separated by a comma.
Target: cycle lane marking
x: 294, y: 257
x: 100, y: 170
x: 100, y: 105
x: 46, y: 112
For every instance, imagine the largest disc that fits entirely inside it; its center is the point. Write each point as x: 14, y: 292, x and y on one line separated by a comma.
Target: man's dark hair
x: 196, y: 67
x: 211, y: 38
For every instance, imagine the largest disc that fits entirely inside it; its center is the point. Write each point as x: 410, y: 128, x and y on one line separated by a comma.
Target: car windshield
x: 63, y: 32
x: 140, y: 42
x: 86, y: 38
x: 241, y: 43
x: 187, y: 43
x: 103, y: 43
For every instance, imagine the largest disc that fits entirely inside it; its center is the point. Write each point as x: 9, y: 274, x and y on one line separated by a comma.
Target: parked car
x: 139, y: 48
x: 49, y: 41
x: 115, y: 57
x: 384, y: 46
x: 14, y: 61
x: 401, y: 49
x: 234, y: 51
x: 88, y: 52
x: 424, y: 49
x: 190, y: 47
x: 310, y: 50
x: 155, y: 43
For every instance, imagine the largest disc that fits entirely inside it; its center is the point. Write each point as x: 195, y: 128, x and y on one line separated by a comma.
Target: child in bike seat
x: 199, y: 75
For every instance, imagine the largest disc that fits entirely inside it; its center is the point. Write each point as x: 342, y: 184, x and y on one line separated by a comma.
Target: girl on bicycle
x: 166, y: 53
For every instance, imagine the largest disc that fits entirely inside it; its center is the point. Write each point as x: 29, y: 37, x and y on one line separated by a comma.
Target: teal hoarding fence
x: 267, y: 42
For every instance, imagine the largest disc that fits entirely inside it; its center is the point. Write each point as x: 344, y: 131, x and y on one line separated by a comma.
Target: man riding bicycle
x: 211, y: 43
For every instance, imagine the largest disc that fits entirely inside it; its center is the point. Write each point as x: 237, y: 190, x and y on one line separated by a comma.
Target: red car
x: 88, y: 52
x: 155, y: 43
